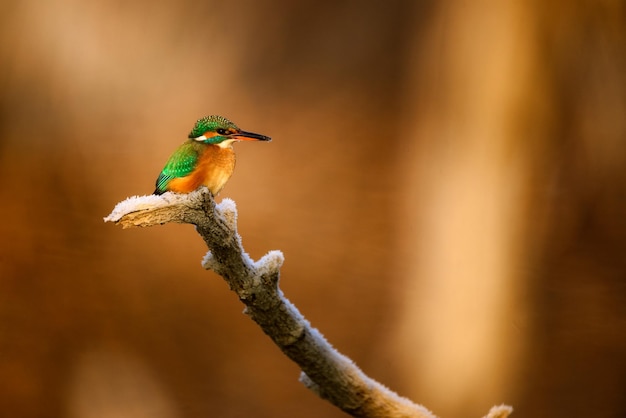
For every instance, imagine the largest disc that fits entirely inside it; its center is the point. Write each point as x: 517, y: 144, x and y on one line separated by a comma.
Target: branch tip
x: 499, y: 411
x: 270, y: 263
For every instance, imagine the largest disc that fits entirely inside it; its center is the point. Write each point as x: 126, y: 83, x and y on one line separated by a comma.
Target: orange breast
x: 214, y: 168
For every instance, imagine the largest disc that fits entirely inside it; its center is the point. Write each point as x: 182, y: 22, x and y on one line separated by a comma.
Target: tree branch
x: 325, y: 371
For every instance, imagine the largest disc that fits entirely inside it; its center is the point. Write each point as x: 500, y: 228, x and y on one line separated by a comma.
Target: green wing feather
x: 181, y: 164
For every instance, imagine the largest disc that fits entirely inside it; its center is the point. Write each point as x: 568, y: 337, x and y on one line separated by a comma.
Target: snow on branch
x: 325, y: 371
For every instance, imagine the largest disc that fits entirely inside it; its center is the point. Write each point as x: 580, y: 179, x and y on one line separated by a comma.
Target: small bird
x: 206, y: 159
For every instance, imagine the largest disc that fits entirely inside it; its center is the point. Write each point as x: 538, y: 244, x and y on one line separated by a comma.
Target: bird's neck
x: 226, y: 144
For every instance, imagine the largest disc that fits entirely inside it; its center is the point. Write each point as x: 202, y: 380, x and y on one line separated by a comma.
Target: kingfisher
x: 206, y: 159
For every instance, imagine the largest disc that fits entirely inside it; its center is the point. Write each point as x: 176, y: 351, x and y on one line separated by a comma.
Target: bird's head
x: 217, y: 130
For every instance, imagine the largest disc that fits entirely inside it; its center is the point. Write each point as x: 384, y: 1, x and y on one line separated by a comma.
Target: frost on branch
x: 499, y: 411
x: 325, y: 371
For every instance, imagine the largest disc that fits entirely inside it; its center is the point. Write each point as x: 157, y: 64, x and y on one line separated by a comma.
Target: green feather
x: 210, y: 123
x: 181, y: 164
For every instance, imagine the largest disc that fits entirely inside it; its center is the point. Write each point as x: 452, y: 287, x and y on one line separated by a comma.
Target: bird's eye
x: 222, y: 131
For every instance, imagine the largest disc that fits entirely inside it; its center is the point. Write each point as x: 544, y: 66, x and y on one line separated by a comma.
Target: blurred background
x: 446, y: 181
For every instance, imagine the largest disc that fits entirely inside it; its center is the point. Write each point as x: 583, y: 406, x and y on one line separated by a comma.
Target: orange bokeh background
x: 446, y: 181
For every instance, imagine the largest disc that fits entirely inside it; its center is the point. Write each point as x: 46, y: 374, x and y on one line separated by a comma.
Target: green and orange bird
x: 206, y: 159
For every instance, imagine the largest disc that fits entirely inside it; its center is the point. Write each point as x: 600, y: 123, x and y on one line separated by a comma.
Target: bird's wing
x: 181, y: 164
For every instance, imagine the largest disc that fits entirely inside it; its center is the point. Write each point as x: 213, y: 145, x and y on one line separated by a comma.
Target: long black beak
x: 249, y: 136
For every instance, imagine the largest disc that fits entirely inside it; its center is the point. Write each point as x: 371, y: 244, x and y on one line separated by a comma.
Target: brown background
x: 446, y: 182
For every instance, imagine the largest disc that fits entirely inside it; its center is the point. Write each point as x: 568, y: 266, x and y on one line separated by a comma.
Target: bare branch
x: 325, y: 371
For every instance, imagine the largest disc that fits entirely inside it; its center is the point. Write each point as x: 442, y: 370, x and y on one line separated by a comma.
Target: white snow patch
x: 135, y: 204
x: 227, y: 205
x: 270, y: 262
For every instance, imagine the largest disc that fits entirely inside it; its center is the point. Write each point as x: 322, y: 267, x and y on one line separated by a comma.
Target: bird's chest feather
x: 215, y: 166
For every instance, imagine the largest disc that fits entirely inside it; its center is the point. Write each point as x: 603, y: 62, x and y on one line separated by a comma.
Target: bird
x: 206, y: 158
